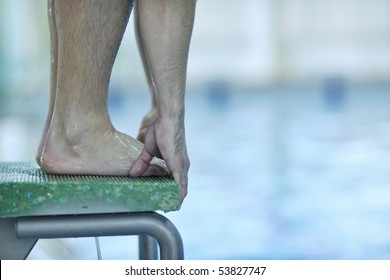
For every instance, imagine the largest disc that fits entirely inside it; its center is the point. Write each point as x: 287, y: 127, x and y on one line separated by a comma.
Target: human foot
x: 93, y: 151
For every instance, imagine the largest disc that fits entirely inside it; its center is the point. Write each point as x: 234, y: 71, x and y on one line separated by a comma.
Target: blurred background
x: 287, y: 119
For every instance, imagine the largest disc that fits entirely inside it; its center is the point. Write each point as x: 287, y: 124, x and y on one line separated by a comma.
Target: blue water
x: 275, y: 174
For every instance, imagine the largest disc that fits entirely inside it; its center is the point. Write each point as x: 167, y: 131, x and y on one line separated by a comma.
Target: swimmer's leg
x: 53, y: 73
x: 80, y: 136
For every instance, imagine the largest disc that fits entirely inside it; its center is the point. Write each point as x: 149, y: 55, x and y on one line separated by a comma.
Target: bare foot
x: 99, y: 150
x: 78, y: 137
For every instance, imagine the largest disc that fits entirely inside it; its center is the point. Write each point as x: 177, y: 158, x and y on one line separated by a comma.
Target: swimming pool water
x: 275, y: 174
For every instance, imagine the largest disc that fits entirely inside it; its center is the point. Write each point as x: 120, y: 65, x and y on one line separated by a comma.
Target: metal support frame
x: 147, y: 248
x: 11, y: 247
x: 150, y: 226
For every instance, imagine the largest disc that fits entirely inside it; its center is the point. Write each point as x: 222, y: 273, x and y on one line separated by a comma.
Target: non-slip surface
x: 25, y: 190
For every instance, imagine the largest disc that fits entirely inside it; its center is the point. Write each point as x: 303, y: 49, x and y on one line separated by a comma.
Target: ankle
x: 73, y: 131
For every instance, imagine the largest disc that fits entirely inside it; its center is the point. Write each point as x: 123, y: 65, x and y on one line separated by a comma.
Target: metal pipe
x: 147, y: 248
x: 151, y: 224
x: 11, y: 247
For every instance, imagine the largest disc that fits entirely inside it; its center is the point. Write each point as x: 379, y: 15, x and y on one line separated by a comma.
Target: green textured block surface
x: 27, y: 191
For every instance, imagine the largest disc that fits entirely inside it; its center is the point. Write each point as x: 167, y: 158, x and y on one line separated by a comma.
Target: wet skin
x: 79, y: 137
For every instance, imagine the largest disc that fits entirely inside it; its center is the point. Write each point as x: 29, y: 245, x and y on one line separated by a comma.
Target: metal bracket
x: 29, y: 229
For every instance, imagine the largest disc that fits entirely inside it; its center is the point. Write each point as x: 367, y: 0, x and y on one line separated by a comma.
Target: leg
x: 53, y: 72
x: 165, y: 29
x: 80, y: 137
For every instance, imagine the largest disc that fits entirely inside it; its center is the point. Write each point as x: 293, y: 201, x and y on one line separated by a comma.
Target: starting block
x: 35, y: 205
